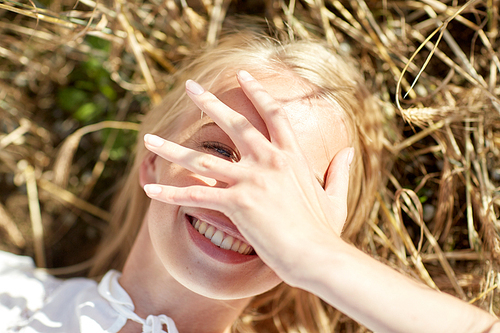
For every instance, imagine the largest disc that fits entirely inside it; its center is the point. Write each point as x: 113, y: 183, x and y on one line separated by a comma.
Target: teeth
x: 243, y: 248
x: 227, y: 243
x: 202, y: 228
x: 210, y: 231
x: 217, y: 238
x: 220, y: 239
x: 236, y: 245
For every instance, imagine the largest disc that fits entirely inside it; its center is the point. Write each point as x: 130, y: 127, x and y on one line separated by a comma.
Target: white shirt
x: 32, y: 301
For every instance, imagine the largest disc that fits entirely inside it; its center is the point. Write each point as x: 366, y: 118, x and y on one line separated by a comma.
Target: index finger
x: 278, y: 125
x: 235, y: 125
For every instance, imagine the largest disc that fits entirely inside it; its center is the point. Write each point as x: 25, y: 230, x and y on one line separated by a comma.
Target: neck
x: 155, y: 292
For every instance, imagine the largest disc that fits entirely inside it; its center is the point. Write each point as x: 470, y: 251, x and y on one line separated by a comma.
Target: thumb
x: 337, y: 183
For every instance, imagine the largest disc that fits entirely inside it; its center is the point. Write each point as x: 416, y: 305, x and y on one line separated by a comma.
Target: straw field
x: 76, y: 76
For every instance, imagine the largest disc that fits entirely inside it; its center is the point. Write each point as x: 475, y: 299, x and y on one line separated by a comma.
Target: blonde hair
x: 333, y: 79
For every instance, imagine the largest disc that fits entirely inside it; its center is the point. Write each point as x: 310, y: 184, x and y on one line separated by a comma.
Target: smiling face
x: 202, y: 249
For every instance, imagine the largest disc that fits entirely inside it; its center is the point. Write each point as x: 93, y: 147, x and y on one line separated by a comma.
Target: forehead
x: 317, y: 124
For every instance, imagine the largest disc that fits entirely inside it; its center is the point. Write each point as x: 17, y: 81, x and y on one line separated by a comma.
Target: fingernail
x: 153, y: 140
x: 350, y: 156
x: 194, y: 88
x: 152, y: 189
x: 244, y: 75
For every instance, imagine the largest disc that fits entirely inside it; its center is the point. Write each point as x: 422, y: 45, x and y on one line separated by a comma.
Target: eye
x: 221, y: 150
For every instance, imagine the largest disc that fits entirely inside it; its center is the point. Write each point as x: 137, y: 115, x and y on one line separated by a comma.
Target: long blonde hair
x: 283, y: 309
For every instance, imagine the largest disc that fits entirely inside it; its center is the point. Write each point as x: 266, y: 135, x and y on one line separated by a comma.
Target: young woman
x: 251, y: 168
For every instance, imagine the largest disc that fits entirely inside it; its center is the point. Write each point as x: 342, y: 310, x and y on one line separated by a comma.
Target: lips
x: 220, y: 238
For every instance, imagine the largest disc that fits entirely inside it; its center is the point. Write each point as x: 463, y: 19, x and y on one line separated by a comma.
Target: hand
x: 272, y: 195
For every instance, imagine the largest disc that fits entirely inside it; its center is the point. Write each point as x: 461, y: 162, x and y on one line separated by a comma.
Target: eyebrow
x: 317, y: 176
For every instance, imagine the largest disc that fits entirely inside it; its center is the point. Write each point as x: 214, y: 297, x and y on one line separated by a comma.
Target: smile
x: 219, y: 238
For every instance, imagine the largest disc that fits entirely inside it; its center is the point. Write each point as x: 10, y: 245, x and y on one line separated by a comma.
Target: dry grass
x: 437, y: 218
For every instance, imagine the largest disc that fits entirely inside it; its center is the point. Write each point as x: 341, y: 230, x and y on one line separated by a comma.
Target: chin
x: 212, y: 272
x: 223, y: 288
x: 218, y: 280
x: 192, y: 258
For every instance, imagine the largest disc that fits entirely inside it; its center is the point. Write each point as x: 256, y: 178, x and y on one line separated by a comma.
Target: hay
x: 436, y: 220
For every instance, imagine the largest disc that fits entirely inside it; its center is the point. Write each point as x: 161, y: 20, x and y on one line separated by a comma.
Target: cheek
x: 172, y: 174
x: 160, y: 214
x: 166, y: 172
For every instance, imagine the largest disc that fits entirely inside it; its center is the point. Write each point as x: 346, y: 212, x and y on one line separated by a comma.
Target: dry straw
x: 436, y: 61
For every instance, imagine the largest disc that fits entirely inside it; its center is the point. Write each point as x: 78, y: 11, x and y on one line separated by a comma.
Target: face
x: 183, y: 237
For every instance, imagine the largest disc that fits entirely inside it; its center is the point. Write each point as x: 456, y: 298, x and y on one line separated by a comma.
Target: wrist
x: 312, y: 263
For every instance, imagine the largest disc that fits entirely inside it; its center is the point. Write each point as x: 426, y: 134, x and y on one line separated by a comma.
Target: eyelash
x: 221, y: 150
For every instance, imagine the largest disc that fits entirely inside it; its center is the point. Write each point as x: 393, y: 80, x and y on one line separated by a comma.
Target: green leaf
x: 108, y: 91
x: 70, y: 99
x: 86, y: 112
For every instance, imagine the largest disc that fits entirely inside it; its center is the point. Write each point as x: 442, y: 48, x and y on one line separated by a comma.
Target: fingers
x: 192, y: 196
x: 200, y: 163
x: 236, y: 126
x: 337, y: 184
x: 272, y: 113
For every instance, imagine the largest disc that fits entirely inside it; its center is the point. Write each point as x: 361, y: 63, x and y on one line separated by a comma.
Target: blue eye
x: 221, y: 150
